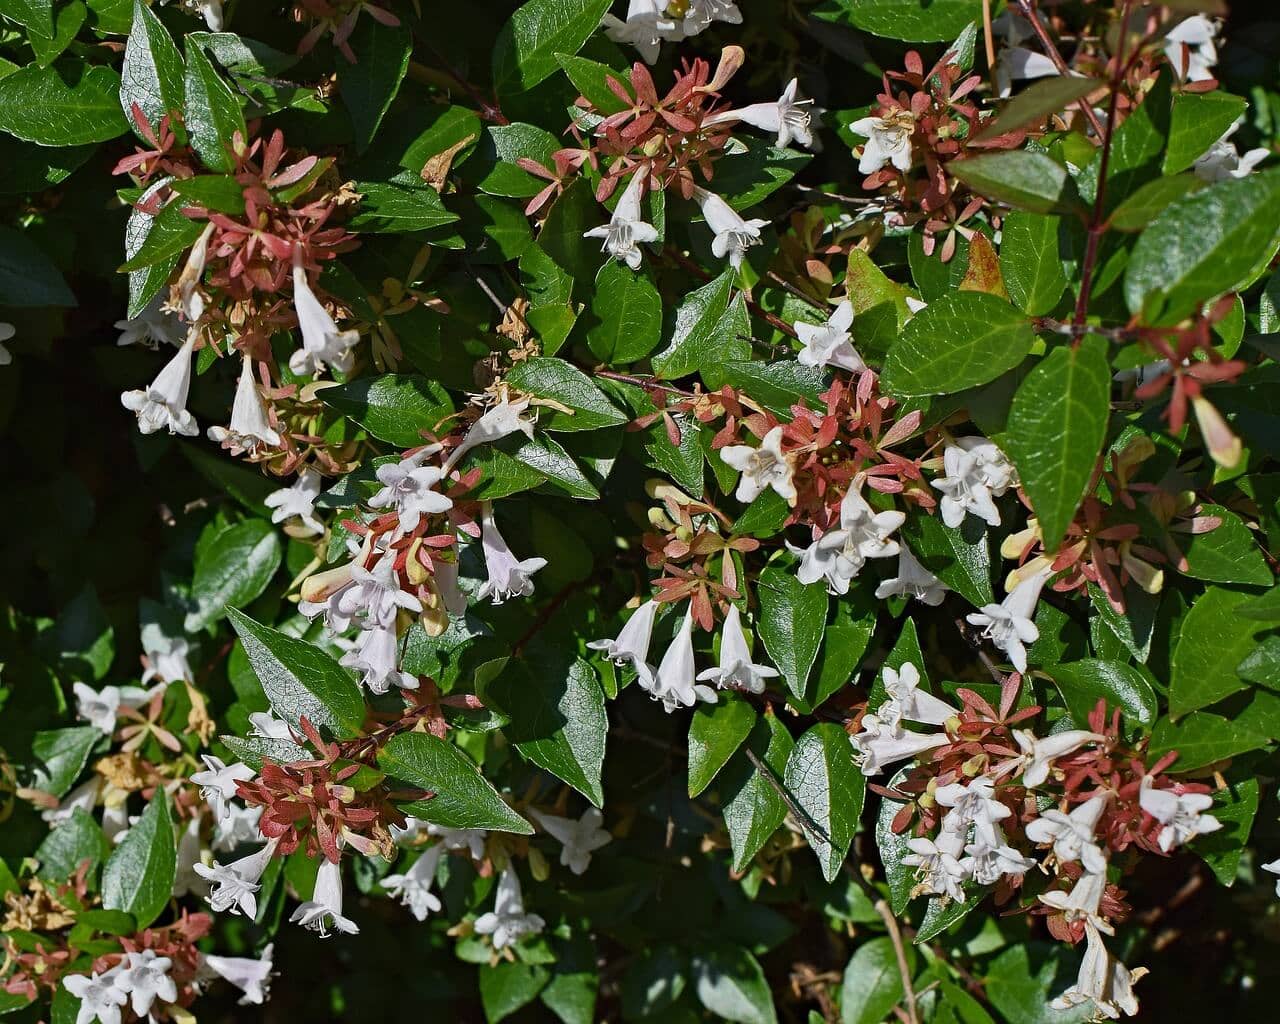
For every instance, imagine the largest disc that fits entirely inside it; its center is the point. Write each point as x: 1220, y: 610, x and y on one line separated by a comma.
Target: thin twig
x: 1028, y: 11
x: 800, y: 814
x: 895, y: 936
x: 989, y: 40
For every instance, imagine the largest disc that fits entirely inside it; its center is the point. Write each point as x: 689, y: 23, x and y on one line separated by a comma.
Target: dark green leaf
x: 1199, y: 120
x: 505, y: 987
x: 138, y: 877
x: 916, y: 21
x: 791, y: 623
x: 824, y: 781
x: 394, y: 407
x: 1020, y: 178
x: 232, y: 571
x: 59, y: 756
x: 753, y: 810
x: 961, y: 558
x: 211, y: 112
x: 27, y: 276
x: 399, y: 209
x: 592, y: 80
x: 152, y: 74
x: 872, y: 983
x: 731, y: 984
x: 568, y: 386
x: 70, y: 844
x: 218, y: 192
x: 67, y: 105
x: 1082, y: 683
x: 526, y: 48
x: 693, y: 339
x: 628, y: 310
x: 370, y: 83
x: 1149, y: 201
x: 1029, y: 262
x: 1212, y: 641
x: 1227, y: 553
x: 1035, y: 103
x: 1203, y: 738
x: 776, y: 386
x: 716, y: 731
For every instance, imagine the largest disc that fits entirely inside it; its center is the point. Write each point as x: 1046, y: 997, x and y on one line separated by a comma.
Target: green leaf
x: 211, y: 112
x: 70, y: 18
x: 67, y: 105
x: 653, y: 982
x: 1235, y: 807
x: 716, y: 731
x: 34, y: 15
x: 776, y: 386
x: 59, y: 756
x: 764, y: 516
x: 82, y: 638
x: 27, y: 276
x: 399, y: 209
x: 369, y: 85
x: 693, y: 338
x: 301, y: 680
x: 70, y: 844
x: 145, y: 284
x: 628, y: 310
x: 232, y: 571
x: 1203, y: 245
x: 463, y: 797
x: 960, y: 341
x: 1203, y: 738
x: 1226, y: 554
x: 169, y: 233
x: 745, y: 179
x: 556, y: 707
x: 138, y: 877
x: 872, y: 983
x: 1199, y: 120
x: 1029, y: 262
x: 591, y: 79
x: 1082, y: 682
x: 218, y: 192
x: 1137, y: 147
x: 1020, y: 178
x: 914, y: 21
x: 575, y: 982
x: 509, y: 143
x: 1057, y: 427
x: 568, y: 386
x: 1035, y: 103
x: 1265, y: 608
x: 961, y: 558
x: 1212, y: 641
x: 752, y: 808
x: 1149, y: 201
x: 879, y: 304
x: 152, y: 74
x: 792, y: 620
x: 731, y: 984
x: 527, y: 45
x: 824, y: 781
x: 394, y: 407
x: 505, y: 987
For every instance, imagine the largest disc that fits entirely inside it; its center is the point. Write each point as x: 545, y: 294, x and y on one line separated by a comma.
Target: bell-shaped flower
x: 156, y: 325
x: 972, y: 804
x: 218, y: 783
x: 988, y: 859
x: 938, y: 866
x: 733, y: 235
x: 375, y: 597
x: 508, y: 922
x: 322, y: 343
x: 646, y: 26
x: 163, y: 403
x: 1222, y: 161
x: 675, y: 682
x: 1103, y: 981
x: 505, y: 418
x: 251, y: 976
x: 1274, y: 868
x: 235, y: 885
x: 298, y: 499
x: 632, y: 644
x: 376, y: 655
x: 84, y: 798
x: 737, y: 671
x: 1017, y: 63
x: 1082, y: 901
x: 578, y: 838
x: 1009, y: 624
x: 413, y: 887
x: 265, y: 725
x: 100, y: 999
x: 470, y: 839
x: 145, y: 978
x: 166, y: 656
x: 888, y: 142
x: 409, y: 487
x: 762, y: 468
x: 626, y: 230
x: 908, y: 701
x: 100, y: 708
x: 1072, y: 834
x: 186, y: 290
x: 1191, y: 47
x: 1181, y: 814
x: 975, y: 472
x: 508, y: 576
x: 789, y: 117
x: 840, y: 554
x: 913, y: 581
x: 249, y: 429
x: 881, y: 744
x: 324, y: 910
x: 1038, y: 754
x: 830, y: 344
x: 238, y: 827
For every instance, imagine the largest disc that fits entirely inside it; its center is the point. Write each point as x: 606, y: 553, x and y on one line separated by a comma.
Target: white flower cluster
x: 650, y: 23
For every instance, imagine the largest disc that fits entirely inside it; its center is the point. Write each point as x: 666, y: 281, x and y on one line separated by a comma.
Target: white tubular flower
x: 762, y: 468
x: 500, y: 421
x: 508, y: 922
x: 789, y: 117
x: 632, y: 645
x: 888, y: 142
x: 218, y: 783
x: 235, y: 885
x: 240, y: 826
x: 699, y: 14
x: 375, y: 597
x: 408, y: 487
x: 265, y: 725
x: 101, y: 708
x: 1181, y: 814
x: 377, y: 656
x: 153, y: 327
x: 1103, y: 981
x: 413, y: 887
x: 975, y: 472
x: 675, y: 683
x: 1222, y: 162
x: 881, y: 744
x: 190, y: 300
x: 99, y: 997
x: 251, y: 976
x: 185, y: 879
x: 839, y: 554
x: 937, y: 865
x: 470, y: 839
x: 1009, y: 624
x: 578, y: 838
x: 1191, y: 47
x: 1038, y: 755
x: 646, y: 26
x: 324, y: 909
x: 990, y: 859
x: 508, y: 576
x: 298, y: 499
x: 626, y: 229
x: 163, y: 403
x: 1017, y: 63
x: 146, y: 979
x: 1072, y: 834
x: 737, y: 671
x: 907, y: 700
x: 1274, y: 868
x: 166, y: 657
x: 973, y: 804
x: 734, y: 236
x: 830, y: 344
x: 1083, y: 901
x: 322, y: 343
x: 913, y: 581
x: 249, y: 429
x: 84, y: 797
x: 211, y: 11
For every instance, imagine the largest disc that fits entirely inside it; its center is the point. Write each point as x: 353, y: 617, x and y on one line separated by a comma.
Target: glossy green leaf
x: 829, y: 788
x: 1212, y: 641
x: 399, y: 209
x: 1020, y: 178
x: 791, y: 623
x: 68, y: 104
x: 1082, y: 683
x: 369, y: 84
x: 1226, y: 554
x: 232, y: 571
x: 716, y: 731
x: 1199, y: 120
x: 393, y: 407
x: 138, y: 877
x: 152, y: 74
x: 525, y: 51
x: 960, y: 557
x: 731, y: 984
x: 694, y: 339
x: 917, y: 21
x: 872, y: 983
x: 211, y: 112
x: 1030, y: 263
x: 566, y: 385
x: 58, y: 756
x: 753, y: 809
x: 628, y: 312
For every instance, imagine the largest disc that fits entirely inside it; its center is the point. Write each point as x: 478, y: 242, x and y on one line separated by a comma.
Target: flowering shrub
x: 662, y: 511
